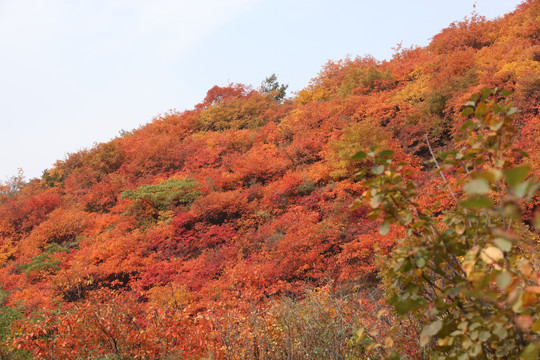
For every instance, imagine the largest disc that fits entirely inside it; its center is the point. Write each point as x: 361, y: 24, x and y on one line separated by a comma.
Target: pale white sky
x: 75, y: 72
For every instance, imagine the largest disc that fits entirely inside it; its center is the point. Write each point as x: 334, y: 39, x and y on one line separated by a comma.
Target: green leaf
x: 386, y: 153
x: 404, y: 307
x: 496, y: 125
x: 433, y: 328
x: 505, y: 93
x: 477, y: 186
x: 532, y: 189
x: 517, y: 306
x: 514, y: 176
x: 512, y: 111
x: 521, y: 152
x: 511, y: 210
x: 477, y: 203
x: 453, y: 291
x: 537, y: 219
x: 530, y: 352
x: 501, y: 332
x: 376, y: 201
x: 486, y: 92
x: 430, y: 330
x: 503, y: 244
x: 475, y: 350
x: 481, y: 109
x: 406, y: 217
x: 467, y: 111
x: 490, y: 175
x: 484, y: 336
x: 384, y: 228
x: 521, y: 189
x: 377, y: 170
x: 359, y: 156
x: 503, y: 280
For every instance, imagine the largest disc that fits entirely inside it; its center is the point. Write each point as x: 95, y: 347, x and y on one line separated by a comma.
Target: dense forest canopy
x: 234, y: 231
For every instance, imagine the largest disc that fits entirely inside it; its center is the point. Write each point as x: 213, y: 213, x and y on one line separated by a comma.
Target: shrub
x: 365, y: 79
x: 152, y: 201
x: 8, y: 315
x: 355, y: 136
x: 44, y: 262
x: 468, y: 276
x: 316, y: 327
x: 236, y: 113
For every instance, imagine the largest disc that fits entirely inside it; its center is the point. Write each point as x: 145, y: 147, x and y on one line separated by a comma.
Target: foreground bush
x: 469, y: 274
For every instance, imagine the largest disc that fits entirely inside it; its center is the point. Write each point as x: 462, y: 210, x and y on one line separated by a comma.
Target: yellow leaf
x: 468, y: 267
x: 388, y: 342
x: 491, y: 255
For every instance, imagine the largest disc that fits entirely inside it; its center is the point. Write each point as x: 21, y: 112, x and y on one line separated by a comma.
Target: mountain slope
x: 157, y: 240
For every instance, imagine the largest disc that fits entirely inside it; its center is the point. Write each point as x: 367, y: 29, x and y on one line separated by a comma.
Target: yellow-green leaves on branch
x: 464, y: 274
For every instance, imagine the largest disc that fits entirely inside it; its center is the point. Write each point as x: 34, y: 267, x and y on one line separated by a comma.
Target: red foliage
x: 222, y: 94
x: 20, y: 214
x: 273, y: 217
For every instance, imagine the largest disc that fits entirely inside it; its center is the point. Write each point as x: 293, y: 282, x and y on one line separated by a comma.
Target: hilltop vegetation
x: 227, y: 231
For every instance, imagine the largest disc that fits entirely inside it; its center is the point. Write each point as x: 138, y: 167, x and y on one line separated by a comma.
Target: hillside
x: 216, y: 231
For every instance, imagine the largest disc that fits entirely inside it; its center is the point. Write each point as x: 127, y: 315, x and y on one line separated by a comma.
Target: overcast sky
x: 75, y: 72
